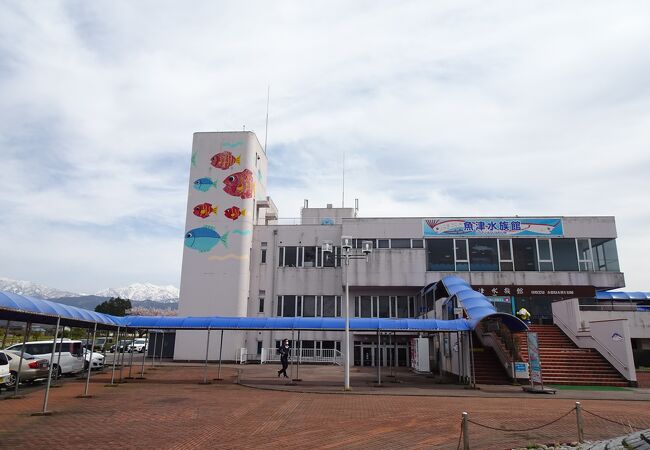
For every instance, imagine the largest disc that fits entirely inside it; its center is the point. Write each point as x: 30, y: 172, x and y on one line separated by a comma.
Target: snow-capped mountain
x: 31, y: 289
x: 143, y: 291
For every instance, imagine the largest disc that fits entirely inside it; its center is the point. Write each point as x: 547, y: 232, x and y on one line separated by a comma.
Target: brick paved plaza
x: 170, y: 410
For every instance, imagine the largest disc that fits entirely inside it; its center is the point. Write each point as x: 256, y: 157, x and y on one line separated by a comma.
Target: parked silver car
x: 31, y: 368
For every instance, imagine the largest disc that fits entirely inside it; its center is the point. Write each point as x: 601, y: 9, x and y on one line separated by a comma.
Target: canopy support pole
x: 131, y: 356
x: 220, y: 349
x: 115, y: 355
x: 392, y: 359
x: 378, y: 359
x: 90, y: 364
x: 144, y: 355
x: 45, y: 412
x: 471, y: 346
x: 153, y: 353
x: 28, y: 329
x: 162, y: 346
x: 299, y: 358
x: 58, y: 359
x: 205, y: 366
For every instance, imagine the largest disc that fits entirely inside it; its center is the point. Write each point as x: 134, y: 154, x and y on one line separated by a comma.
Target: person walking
x: 284, y: 351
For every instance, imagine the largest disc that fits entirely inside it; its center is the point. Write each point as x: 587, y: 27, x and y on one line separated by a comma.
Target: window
x: 3, y: 360
x: 605, y: 255
x: 309, y: 306
x: 259, y: 347
x: 330, y: 258
x: 384, y: 306
x: 261, y: 305
x: 505, y: 255
x: 402, y: 307
x: 383, y: 243
x: 263, y: 256
x: 358, y: 242
x: 329, y: 306
x: 288, y: 306
x: 584, y: 254
x: 525, y: 253
x: 483, y: 255
x: 310, y: 256
x: 400, y: 243
x: 565, y: 256
x: 545, y: 254
x: 363, y: 306
x: 462, y: 262
x: 417, y: 243
x: 288, y: 256
x: 440, y: 255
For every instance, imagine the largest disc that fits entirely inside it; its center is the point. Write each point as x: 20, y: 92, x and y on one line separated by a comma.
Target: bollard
x: 238, y: 380
x: 581, y: 433
x: 465, y: 431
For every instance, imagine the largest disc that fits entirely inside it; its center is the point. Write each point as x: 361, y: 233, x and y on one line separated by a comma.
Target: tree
x: 115, y: 306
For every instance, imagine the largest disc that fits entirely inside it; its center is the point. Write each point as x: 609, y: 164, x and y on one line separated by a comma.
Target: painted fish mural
x: 234, y: 213
x: 204, y: 239
x: 240, y: 184
x: 232, y: 144
x: 225, y: 160
x: 204, y: 210
x: 204, y: 184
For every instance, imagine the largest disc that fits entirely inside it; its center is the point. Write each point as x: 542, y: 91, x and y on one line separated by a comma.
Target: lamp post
x: 346, y: 248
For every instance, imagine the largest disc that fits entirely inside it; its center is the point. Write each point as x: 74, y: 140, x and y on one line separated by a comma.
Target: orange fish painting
x: 225, y: 160
x: 240, y: 184
x: 234, y: 213
x: 204, y: 210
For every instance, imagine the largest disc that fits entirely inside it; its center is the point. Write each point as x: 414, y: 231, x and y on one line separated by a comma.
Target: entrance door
x: 367, y: 356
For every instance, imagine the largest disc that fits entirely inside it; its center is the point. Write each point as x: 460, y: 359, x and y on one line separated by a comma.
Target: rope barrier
x: 460, y: 436
x: 523, y: 429
x: 611, y: 420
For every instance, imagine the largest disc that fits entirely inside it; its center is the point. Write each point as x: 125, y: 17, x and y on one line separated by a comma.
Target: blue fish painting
x: 204, y: 184
x: 204, y: 239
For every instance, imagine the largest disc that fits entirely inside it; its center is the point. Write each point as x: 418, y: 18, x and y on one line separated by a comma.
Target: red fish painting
x: 240, y: 184
x: 234, y: 213
x: 225, y: 160
x: 204, y: 210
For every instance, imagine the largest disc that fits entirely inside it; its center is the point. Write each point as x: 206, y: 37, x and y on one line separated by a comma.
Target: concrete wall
x: 637, y: 321
x: 215, y: 277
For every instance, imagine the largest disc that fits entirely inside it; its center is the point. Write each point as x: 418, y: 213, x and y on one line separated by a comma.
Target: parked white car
x: 71, y: 362
x: 139, y: 345
x: 97, y: 359
x: 5, y: 374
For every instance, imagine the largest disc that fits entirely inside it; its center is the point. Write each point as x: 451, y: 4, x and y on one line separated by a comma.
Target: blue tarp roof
x: 477, y: 306
x: 26, y: 309
x: 623, y: 295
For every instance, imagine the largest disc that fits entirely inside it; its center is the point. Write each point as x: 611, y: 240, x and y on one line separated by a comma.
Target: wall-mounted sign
x: 502, y: 226
x: 532, y: 291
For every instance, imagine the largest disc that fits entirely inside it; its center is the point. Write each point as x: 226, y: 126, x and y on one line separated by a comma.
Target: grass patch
x: 562, y: 387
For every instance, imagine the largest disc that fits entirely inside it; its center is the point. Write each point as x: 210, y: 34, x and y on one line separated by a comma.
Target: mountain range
x: 143, y: 295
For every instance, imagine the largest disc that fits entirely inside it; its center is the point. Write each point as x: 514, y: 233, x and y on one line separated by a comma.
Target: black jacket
x: 284, y: 352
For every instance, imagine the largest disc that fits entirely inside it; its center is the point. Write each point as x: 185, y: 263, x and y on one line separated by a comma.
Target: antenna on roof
x: 343, y: 195
x: 266, y: 129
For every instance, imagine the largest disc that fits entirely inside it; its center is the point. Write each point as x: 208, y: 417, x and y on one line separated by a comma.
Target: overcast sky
x: 442, y: 108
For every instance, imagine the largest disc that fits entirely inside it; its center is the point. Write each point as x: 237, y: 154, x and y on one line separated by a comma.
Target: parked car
x: 103, y: 344
x: 30, y: 369
x: 4, y: 369
x: 139, y: 345
x: 120, y: 346
x: 97, y: 359
x: 71, y: 362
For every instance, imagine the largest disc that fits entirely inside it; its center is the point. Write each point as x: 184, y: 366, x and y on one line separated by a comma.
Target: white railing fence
x: 307, y: 355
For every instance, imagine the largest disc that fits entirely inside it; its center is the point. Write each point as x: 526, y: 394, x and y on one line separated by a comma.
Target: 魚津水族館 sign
x: 503, y: 226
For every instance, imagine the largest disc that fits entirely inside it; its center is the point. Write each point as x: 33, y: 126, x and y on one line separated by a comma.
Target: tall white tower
x: 227, y: 178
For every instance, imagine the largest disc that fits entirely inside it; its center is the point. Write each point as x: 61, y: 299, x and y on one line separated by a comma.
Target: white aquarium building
x: 240, y: 259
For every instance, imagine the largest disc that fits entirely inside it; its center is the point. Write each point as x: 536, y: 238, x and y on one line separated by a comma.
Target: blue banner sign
x: 502, y: 226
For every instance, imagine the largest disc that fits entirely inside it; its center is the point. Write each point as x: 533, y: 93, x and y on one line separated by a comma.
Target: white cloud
x: 442, y: 108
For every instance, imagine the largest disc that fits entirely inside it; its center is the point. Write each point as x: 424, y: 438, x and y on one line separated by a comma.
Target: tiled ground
x: 170, y: 410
